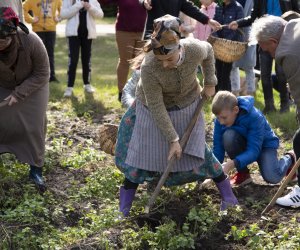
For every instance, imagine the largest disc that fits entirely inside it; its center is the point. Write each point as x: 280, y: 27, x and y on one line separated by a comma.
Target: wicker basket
x: 227, y: 50
x: 108, y: 137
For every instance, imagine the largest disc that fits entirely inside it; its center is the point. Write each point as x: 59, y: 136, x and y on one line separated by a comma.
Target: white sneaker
x: 292, y: 199
x: 68, y: 92
x: 88, y: 88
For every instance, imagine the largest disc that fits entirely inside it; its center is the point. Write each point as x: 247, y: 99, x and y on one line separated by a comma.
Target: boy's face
x: 227, y: 116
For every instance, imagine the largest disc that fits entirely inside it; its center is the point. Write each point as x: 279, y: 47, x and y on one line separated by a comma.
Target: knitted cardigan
x: 160, y: 89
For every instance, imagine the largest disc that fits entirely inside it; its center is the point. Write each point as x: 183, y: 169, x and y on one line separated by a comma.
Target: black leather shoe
x: 35, y: 174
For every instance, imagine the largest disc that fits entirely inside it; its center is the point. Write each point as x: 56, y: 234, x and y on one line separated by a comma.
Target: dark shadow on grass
x: 89, y: 106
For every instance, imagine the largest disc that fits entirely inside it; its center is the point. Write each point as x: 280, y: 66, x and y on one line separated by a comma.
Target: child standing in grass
x: 243, y: 132
x: 80, y: 31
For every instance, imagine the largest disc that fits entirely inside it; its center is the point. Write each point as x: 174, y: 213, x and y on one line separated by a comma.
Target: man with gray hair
x: 282, y: 40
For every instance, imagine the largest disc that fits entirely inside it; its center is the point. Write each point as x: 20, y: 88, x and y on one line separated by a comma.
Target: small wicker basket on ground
x: 108, y: 137
x: 227, y: 50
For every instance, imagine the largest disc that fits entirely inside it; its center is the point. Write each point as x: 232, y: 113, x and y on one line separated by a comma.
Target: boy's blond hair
x: 223, y: 100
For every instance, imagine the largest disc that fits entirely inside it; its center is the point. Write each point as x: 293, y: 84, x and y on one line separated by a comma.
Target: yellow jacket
x: 47, y: 12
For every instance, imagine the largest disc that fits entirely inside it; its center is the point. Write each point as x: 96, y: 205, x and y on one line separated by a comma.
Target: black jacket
x: 260, y: 9
x: 172, y: 7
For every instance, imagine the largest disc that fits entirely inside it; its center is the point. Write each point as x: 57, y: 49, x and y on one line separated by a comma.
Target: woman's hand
x: 147, y: 4
x: 86, y: 5
x: 214, y: 24
x: 175, y: 150
x: 208, y: 91
x: 227, y: 166
x: 11, y: 100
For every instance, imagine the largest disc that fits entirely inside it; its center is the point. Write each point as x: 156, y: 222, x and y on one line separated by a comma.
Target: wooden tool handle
x: 171, y: 162
x: 282, y: 187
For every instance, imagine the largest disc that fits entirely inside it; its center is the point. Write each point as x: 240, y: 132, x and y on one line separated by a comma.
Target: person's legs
x: 50, y: 45
x: 36, y: 175
x: 127, y: 193
x: 74, y: 49
x: 250, y: 80
x: 266, y: 70
x: 126, y: 48
x: 86, y: 52
x: 282, y: 89
x: 235, y: 144
x: 226, y: 69
x: 296, y: 147
x: 228, y: 197
x: 235, y: 80
x: 272, y: 169
x: 223, y: 74
x: 292, y: 199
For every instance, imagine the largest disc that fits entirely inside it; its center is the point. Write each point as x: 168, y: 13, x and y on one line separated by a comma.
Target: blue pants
x: 271, y: 169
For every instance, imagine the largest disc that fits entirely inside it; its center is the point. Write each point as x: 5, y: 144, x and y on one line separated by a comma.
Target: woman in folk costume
x: 166, y: 98
x: 24, y: 75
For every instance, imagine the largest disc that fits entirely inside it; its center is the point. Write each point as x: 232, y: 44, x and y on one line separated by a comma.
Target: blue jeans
x: 271, y: 169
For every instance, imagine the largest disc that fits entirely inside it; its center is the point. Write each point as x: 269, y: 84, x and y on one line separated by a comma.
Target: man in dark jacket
x: 158, y: 8
x: 275, y: 8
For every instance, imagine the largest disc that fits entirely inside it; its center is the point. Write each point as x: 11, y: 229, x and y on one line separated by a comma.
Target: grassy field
x: 80, y: 208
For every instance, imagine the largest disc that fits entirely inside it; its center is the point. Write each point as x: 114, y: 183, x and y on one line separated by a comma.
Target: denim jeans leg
x: 250, y: 79
x: 272, y: 169
x: 266, y: 70
x: 234, y: 143
x: 235, y: 78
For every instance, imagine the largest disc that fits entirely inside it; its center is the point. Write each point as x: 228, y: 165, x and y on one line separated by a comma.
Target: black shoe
x: 53, y: 79
x: 35, y: 174
x: 269, y: 109
x: 120, y: 96
x: 284, y: 108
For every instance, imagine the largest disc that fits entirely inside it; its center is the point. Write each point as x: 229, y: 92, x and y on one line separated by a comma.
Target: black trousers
x: 266, y: 62
x: 49, y: 38
x: 296, y: 147
x: 75, y: 44
x: 223, y: 74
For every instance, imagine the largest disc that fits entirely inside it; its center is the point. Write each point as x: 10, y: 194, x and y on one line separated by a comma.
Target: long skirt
x: 23, y: 127
x: 211, y: 167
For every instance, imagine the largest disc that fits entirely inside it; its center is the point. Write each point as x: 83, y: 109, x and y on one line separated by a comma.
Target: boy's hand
x: 233, y: 25
x: 175, y: 149
x: 227, y: 166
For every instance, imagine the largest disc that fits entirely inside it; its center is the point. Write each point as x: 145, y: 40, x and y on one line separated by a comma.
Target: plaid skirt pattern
x: 211, y: 167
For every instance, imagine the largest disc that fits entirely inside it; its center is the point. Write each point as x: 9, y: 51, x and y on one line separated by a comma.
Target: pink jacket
x: 201, y: 31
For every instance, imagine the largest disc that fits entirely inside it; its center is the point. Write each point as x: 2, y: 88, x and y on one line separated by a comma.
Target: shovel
x: 171, y: 162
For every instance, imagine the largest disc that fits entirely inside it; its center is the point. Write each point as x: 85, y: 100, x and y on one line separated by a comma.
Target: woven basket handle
x: 225, y: 26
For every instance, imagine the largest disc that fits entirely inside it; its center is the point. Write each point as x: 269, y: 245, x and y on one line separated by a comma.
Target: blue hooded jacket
x: 252, y: 125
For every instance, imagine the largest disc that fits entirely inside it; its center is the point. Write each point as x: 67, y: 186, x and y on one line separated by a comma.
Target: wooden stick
x: 282, y: 187
x: 171, y: 162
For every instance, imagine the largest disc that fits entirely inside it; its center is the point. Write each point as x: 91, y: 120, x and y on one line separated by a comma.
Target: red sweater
x: 131, y: 16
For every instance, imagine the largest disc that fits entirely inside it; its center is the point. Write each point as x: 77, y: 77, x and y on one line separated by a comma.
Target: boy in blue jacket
x: 243, y: 132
